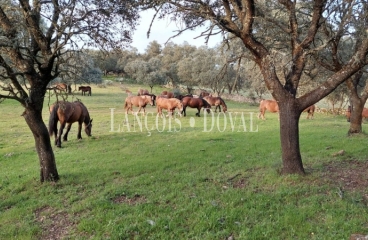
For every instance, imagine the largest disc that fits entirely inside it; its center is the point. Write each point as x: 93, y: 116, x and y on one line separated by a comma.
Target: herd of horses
x: 63, y: 87
x: 68, y: 113
x: 168, y: 101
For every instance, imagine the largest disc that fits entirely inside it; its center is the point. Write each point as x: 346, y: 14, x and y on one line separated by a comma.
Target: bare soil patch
x: 349, y: 175
x: 136, y: 199
x: 54, y: 224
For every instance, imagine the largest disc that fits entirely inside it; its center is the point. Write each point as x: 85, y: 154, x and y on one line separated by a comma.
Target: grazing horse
x: 310, y: 110
x: 198, y: 103
x: 137, y: 101
x: 348, y: 113
x: 68, y: 113
x: 143, y: 92
x: 217, y: 102
x: 270, y: 105
x: 85, y: 89
x: 169, y: 104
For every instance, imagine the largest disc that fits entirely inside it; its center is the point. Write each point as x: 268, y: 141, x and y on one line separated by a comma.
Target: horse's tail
x: 53, y: 120
x: 126, y: 104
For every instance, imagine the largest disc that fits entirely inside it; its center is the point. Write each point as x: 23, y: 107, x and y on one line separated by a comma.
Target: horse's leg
x: 79, y: 136
x: 139, y: 110
x: 65, y: 138
x: 199, y: 111
x: 219, y: 108
x: 184, y: 111
x: 58, y: 141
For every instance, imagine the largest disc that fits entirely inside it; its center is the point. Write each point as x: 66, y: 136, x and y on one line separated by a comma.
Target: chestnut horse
x: 63, y: 87
x: 217, y: 102
x: 143, y: 92
x: 68, y: 113
x: 85, y: 89
x: 198, y: 103
x: 137, y: 101
x: 169, y: 104
x: 204, y: 94
x: 270, y: 105
x: 310, y: 110
x: 348, y: 113
x: 167, y: 94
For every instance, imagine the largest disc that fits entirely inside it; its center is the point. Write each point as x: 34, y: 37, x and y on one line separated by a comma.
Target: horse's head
x: 224, y: 108
x: 348, y: 114
x: 88, y: 128
x: 153, y: 97
x: 179, y: 105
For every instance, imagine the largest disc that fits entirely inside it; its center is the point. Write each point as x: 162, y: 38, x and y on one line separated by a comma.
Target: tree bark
x: 34, y: 120
x: 48, y: 170
x: 289, y: 137
x: 356, y: 107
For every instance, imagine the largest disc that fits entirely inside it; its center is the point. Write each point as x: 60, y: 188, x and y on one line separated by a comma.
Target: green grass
x: 178, y: 183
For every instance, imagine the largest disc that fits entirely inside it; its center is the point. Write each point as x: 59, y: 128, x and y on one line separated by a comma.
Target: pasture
x: 143, y: 178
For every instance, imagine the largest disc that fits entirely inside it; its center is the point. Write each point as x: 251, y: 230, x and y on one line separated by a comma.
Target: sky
x: 162, y: 30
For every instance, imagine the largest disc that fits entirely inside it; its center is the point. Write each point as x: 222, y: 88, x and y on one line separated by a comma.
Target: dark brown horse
x: 68, y: 113
x: 348, y: 113
x: 270, y: 105
x: 310, y: 110
x: 217, y: 102
x: 198, y: 103
x: 180, y: 97
x: 169, y: 104
x: 85, y: 89
x: 137, y: 101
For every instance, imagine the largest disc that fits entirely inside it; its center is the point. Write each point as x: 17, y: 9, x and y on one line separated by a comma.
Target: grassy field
x: 143, y: 178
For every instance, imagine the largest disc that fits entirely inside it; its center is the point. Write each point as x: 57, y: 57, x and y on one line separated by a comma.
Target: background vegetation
x: 188, y: 184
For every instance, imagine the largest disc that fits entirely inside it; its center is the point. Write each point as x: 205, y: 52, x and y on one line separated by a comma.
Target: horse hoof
x: 59, y: 146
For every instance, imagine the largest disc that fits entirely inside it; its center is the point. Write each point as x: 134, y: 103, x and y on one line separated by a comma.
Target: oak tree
x: 35, y: 35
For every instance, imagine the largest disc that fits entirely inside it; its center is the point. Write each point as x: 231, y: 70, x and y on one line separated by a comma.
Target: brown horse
x: 310, y: 110
x: 143, y: 92
x: 270, y: 105
x: 198, y: 103
x: 217, y: 102
x: 63, y: 87
x: 169, y: 104
x: 129, y: 93
x: 348, y: 113
x: 137, y: 101
x: 180, y: 97
x: 167, y: 94
x: 205, y: 94
x: 68, y: 113
x: 85, y: 89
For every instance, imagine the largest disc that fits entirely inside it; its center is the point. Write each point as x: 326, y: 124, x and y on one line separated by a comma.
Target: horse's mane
x: 222, y: 101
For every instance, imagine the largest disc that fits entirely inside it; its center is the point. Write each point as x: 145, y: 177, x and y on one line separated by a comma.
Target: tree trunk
x: 356, y: 108
x: 48, y: 170
x: 289, y: 136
